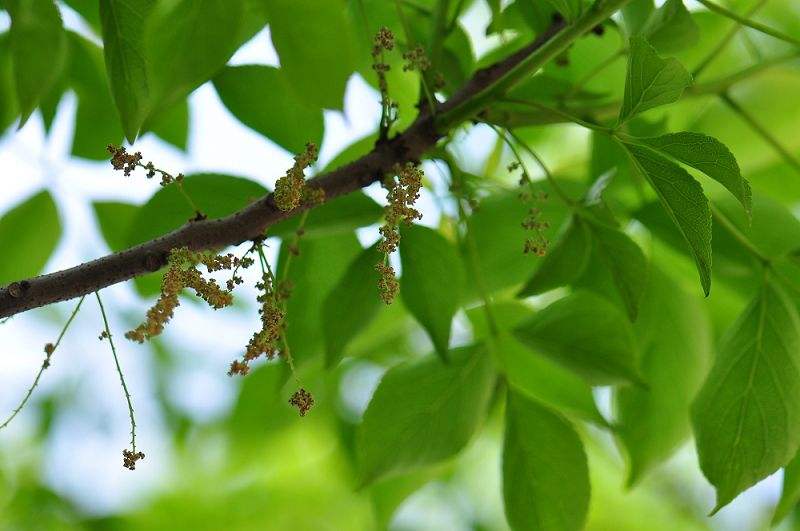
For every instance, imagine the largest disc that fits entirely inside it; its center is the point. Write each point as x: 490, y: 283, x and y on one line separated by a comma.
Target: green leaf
x: 651, y: 81
x: 38, y: 49
x: 115, y: 219
x: 432, y: 283
x: 636, y: 14
x: 123, y: 23
x: 746, y: 417
x: 37, y: 219
x: 172, y: 125
x: 625, y: 260
x: 263, y: 100
x: 708, y: 155
x: 671, y: 28
x: 675, y: 340
x: 314, y: 273
x: 96, y: 123
x: 571, y: 9
x: 352, y: 304
x: 545, y: 474
x: 342, y: 214
x: 216, y: 195
x: 683, y: 199
x: 315, y: 42
x: 187, y: 43
x: 564, y: 262
x: 88, y: 10
x: 424, y: 412
x: 8, y: 95
x: 790, y: 494
x: 529, y: 372
x: 585, y: 333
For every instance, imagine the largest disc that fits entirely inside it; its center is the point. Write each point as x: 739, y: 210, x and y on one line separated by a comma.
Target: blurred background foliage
x: 231, y: 454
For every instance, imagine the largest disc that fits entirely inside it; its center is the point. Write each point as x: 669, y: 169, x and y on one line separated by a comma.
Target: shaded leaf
x: 187, y: 43
x: 404, y: 430
x: 746, y: 418
x: 545, y: 474
x: 529, y: 372
x: 432, y: 283
x: 585, y: 333
x: 123, y: 23
x: 262, y: 99
x: 172, y: 125
x: 625, y: 260
x: 38, y: 49
x: 571, y: 9
x: 115, y: 219
x: 674, y: 336
x: 351, y: 305
x: 564, y: 262
x: 37, y: 219
x: 671, y: 28
x: 8, y: 94
x: 790, y: 494
x: 317, y: 54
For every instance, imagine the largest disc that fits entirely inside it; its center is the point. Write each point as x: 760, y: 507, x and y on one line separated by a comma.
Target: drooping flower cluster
x: 126, y: 162
x: 302, y: 400
x: 266, y: 341
x: 291, y: 189
x: 384, y: 42
x: 182, y: 273
x: 403, y: 187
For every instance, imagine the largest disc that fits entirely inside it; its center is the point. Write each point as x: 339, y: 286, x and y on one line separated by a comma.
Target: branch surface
x: 252, y: 221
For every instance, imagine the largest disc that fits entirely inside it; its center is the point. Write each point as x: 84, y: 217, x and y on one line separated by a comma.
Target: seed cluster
x: 403, y: 187
x: 129, y: 459
x: 302, y: 400
x: 291, y: 189
x: 182, y: 273
x: 416, y: 59
x: 126, y: 162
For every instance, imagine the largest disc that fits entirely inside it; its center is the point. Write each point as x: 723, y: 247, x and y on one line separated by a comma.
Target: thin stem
x: 45, y: 365
x: 737, y: 234
x: 119, y: 371
x: 723, y: 43
x: 567, y: 116
x: 546, y: 51
x: 602, y: 65
x: 454, y: 21
x: 762, y: 131
x: 711, y: 6
x: 549, y: 176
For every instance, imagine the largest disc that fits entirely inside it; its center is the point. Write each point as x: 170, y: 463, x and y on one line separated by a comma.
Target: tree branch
x: 251, y: 222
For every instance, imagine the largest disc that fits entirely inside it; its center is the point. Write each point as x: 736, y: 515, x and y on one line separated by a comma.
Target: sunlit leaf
x: 746, y: 417
x: 651, y: 80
